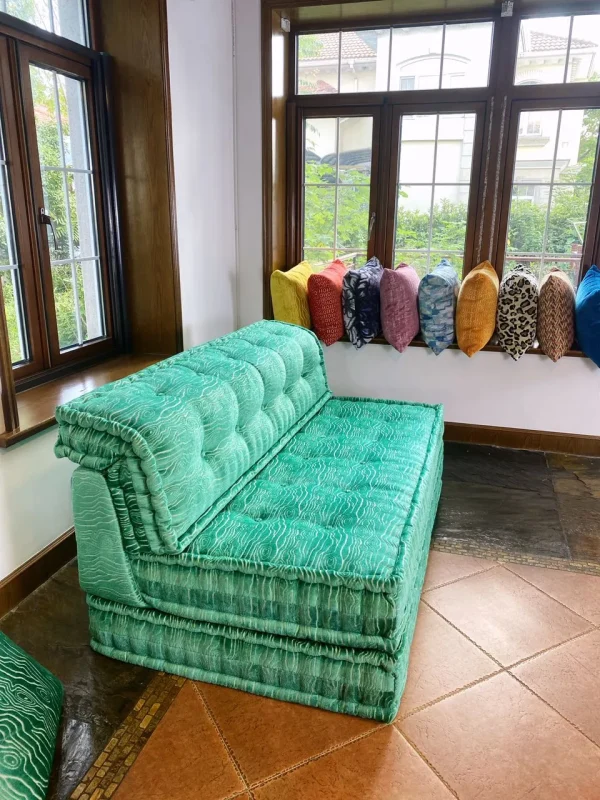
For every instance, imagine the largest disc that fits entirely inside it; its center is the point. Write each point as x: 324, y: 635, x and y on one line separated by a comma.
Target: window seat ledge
x: 489, y: 348
x: 37, y: 406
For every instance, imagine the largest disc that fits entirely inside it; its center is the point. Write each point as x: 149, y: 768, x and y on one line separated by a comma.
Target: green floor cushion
x: 317, y: 545
x: 176, y: 439
x: 30, y: 708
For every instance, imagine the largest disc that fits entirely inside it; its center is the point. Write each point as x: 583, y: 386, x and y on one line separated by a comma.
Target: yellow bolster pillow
x: 476, y: 308
x: 289, y: 293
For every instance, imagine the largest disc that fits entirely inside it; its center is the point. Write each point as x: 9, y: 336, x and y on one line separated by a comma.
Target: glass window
x: 67, y: 179
x: 433, y: 188
x: 559, y: 50
x: 64, y: 17
x: 337, y: 188
x: 551, y: 187
x: 420, y: 57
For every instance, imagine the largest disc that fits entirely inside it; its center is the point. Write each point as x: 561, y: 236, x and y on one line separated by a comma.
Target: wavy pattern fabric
x: 315, y: 546
x: 30, y: 707
x: 301, y: 579
x: 556, y: 314
x: 203, y: 418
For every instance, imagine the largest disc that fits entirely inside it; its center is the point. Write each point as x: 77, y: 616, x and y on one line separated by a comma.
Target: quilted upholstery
x: 325, y: 302
x: 30, y: 707
x: 310, y: 547
x: 298, y: 578
x: 203, y: 418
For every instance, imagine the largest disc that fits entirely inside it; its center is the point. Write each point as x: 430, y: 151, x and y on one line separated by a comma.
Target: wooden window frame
x: 21, y: 44
x: 497, y: 107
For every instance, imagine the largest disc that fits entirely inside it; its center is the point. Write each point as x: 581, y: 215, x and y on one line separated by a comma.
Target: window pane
x: 356, y: 139
x: 584, y: 54
x: 544, y: 44
x: 63, y: 17
x: 432, y: 211
x: 337, y: 196
x: 319, y: 216
x: 15, y: 317
x: 320, y: 150
x: 365, y: 59
x: 68, y: 184
x: 416, y: 55
x: 551, y: 191
x: 467, y: 50
x: 318, y: 63
x: 353, y: 217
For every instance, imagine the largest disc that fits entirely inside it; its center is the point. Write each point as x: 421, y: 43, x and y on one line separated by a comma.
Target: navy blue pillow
x: 361, y: 304
x: 587, y: 314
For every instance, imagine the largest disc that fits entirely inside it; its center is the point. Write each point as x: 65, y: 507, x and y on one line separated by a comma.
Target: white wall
x: 489, y: 389
x: 202, y: 101
x: 35, y: 499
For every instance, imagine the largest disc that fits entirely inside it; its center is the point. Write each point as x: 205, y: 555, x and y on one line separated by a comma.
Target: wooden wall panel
x: 134, y: 33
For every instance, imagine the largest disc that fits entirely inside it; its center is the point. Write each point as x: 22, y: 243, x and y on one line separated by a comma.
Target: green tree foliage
x: 527, y: 227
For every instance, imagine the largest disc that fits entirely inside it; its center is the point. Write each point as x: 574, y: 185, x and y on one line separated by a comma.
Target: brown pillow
x: 556, y: 314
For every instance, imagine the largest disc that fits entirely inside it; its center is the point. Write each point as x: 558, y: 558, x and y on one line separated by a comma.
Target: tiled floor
x: 503, y: 686
x: 501, y: 703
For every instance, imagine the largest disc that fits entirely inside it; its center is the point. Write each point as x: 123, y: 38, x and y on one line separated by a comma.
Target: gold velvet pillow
x: 476, y: 308
x: 289, y: 293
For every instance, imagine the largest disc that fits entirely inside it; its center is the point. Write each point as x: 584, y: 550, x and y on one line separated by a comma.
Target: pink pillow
x: 399, y: 309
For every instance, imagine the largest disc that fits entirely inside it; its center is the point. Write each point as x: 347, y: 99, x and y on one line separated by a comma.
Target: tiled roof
x: 353, y: 46
x: 546, y: 41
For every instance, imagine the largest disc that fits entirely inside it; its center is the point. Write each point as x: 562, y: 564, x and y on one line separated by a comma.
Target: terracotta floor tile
x: 445, y: 567
x: 184, y: 759
x: 569, y: 679
x: 497, y: 741
x: 268, y: 736
x: 441, y: 660
x: 504, y: 615
x: 381, y: 766
x: 581, y: 593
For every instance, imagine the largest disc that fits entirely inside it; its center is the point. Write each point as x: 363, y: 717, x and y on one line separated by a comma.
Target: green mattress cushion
x: 177, y: 440
x: 30, y: 707
x: 324, y: 542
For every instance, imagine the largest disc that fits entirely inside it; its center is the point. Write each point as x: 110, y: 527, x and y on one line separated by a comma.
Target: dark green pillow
x: 30, y: 706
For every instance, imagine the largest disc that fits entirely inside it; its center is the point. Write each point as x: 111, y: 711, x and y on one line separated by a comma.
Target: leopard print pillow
x: 516, y: 319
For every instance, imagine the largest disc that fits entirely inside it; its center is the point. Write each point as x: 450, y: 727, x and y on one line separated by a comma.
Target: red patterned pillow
x: 399, y: 308
x: 325, y: 302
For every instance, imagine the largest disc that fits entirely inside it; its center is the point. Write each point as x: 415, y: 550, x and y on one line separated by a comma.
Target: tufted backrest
x: 179, y: 439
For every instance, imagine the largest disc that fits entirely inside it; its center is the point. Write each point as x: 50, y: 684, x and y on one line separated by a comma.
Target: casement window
x: 54, y: 245
x: 465, y: 139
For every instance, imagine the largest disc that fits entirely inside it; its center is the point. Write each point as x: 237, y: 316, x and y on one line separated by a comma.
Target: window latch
x: 46, y: 219
x: 372, y: 223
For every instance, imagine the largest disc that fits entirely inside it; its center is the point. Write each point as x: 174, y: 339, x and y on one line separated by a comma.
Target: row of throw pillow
x: 368, y: 302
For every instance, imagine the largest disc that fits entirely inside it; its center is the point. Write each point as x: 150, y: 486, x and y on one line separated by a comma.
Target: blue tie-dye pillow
x: 438, y: 291
x: 360, y: 303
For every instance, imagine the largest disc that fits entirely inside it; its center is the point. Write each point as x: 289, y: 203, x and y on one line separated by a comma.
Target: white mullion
x: 568, y: 54
x: 435, y: 149
x: 77, y: 310
x: 545, y: 240
x: 337, y: 177
x: 51, y: 11
x: 65, y: 169
x: 16, y: 284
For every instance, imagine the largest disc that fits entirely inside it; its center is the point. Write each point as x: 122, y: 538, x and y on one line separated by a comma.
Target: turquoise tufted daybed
x: 238, y: 524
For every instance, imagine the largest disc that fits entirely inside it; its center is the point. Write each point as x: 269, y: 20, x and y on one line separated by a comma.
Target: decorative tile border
x: 107, y: 772
x: 496, y: 554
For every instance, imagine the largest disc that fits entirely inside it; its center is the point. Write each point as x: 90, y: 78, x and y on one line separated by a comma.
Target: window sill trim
x: 37, y: 406
x: 489, y: 348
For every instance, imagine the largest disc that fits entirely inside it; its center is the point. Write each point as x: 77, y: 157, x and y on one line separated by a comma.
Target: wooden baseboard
x: 521, y: 439
x: 26, y: 579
